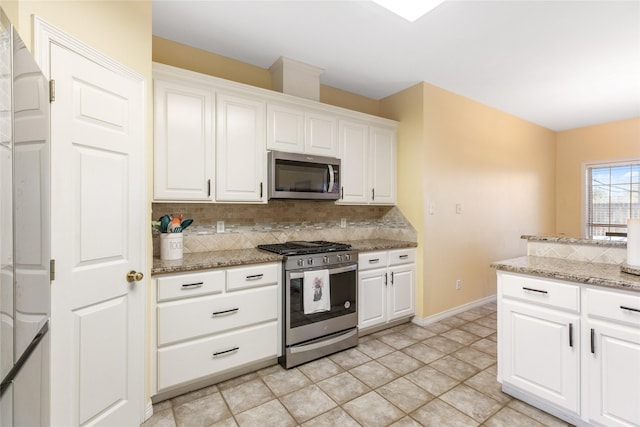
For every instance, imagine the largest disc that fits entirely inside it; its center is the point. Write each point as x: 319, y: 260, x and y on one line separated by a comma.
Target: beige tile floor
x: 443, y: 374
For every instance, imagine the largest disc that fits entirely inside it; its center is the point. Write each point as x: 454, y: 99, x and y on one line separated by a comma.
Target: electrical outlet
x: 458, y: 284
x: 220, y: 227
x: 343, y: 222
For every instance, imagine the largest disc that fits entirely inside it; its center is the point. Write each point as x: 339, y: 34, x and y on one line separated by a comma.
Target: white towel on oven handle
x: 316, y: 291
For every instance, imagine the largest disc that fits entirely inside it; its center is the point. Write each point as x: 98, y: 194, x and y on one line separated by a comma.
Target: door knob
x: 134, y: 276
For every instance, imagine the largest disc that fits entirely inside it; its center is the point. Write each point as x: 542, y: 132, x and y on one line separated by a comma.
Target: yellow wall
x: 611, y: 141
x: 501, y: 170
x: 190, y: 58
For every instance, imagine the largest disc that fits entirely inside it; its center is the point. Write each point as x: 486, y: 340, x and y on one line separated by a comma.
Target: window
x: 613, y: 196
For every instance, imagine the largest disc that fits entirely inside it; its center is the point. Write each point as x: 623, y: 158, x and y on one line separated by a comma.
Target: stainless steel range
x: 320, y: 299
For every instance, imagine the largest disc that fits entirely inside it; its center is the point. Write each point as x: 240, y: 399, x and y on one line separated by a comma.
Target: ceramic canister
x: 170, y: 246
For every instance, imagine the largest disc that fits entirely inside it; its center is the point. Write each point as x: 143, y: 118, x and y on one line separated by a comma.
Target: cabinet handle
x: 405, y: 256
x: 222, y: 353
x: 254, y: 277
x: 261, y: 190
x: 570, y: 334
x: 534, y: 290
x: 630, y: 308
x: 188, y: 286
x: 374, y: 261
x: 225, y: 312
x: 392, y: 277
x: 342, y: 192
x: 373, y: 194
x: 208, y: 188
x: 593, y: 341
x: 385, y: 279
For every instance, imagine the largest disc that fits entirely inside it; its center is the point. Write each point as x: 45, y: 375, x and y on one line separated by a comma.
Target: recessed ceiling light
x: 410, y: 10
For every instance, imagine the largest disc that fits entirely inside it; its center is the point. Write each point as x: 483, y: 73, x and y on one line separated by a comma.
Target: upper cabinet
x: 240, y: 149
x: 211, y: 138
x: 296, y: 130
x: 183, y: 145
x: 368, y: 156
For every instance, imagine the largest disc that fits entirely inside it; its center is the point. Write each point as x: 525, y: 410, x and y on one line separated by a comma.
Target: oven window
x: 305, y: 177
x: 343, y: 299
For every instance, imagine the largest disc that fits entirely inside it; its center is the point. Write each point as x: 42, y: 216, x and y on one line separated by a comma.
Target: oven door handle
x: 353, y: 267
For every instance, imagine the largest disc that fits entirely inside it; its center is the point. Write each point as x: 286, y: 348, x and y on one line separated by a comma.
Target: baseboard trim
x: 423, y: 321
x: 148, y: 410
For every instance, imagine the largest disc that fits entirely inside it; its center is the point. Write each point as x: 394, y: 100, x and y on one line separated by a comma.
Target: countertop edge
x: 575, y: 241
x: 198, y: 261
x: 602, y: 275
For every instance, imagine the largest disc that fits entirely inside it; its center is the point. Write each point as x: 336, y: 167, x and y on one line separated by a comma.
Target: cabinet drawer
x: 205, y: 357
x: 541, y: 291
x: 250, y: 277
x: 369, y: 260
x: 186, y: 319
x: 612, y: 305
x: 402, y: 256
x: 190, y: 285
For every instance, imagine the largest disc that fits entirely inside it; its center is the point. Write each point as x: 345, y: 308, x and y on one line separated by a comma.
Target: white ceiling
x: 559, y: 64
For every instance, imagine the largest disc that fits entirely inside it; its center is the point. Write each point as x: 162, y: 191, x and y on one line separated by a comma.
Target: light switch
x: 458, y: 208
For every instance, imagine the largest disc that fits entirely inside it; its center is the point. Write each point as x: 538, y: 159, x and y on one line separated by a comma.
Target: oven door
x: 342, y: 315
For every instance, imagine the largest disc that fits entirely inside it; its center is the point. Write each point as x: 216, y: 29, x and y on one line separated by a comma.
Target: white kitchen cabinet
x: 240, y: 149
x: 298, y: 130
x: 571, y: 350
x: 368, y: 156
x: 386, y: 287
x: 183, y: 144
x: 612, y: 362
x: 210, y: 324
x: 285, y: 128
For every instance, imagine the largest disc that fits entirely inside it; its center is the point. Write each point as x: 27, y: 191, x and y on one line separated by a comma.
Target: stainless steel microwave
x: 303, y: 176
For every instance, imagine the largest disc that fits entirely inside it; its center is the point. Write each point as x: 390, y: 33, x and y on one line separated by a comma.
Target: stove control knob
x: 325, y: 259
x: 339, y: 258
x: 348, y: 257
x: 300, y: 262
x: 310, y: 261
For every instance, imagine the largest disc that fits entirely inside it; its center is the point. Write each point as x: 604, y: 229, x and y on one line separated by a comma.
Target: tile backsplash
x: 578, y: 252
x: 278, y: 221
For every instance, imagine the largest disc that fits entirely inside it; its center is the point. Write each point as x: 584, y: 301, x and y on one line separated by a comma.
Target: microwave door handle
x: 331, y: 179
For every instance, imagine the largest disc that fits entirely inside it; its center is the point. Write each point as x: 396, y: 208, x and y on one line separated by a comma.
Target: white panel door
x: 183, y: 145
x: 382, y: 166
x: 353, y: 139
x: 613, y: 374
x: 320, y: 135
x: 372, y: 297
x: 401, y: 295
x: 541, y: 353
x: 98, y: 235
x: 240, y: 149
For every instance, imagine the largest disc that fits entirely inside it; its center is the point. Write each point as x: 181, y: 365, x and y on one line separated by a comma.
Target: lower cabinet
x: 571, y: 350
x: 212, y: 322
x: 386, y: 287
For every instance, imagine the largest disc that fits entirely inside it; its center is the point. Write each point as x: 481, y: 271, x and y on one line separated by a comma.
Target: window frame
x: 586, y: 187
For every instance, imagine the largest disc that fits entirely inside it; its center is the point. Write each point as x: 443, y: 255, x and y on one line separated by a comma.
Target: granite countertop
x: 236, y: 257
x: 620, y: 242
x: 597, y: 274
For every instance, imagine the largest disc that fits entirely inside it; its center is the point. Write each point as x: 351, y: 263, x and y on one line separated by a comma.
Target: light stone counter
x: 236, y: 257
x: 589, y: 273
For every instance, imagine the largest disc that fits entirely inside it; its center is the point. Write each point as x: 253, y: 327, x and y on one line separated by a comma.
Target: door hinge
x: 52, y: 90
x: 52, y: 270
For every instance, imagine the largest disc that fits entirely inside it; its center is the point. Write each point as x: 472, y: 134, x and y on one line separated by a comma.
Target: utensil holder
x: 170, y: 246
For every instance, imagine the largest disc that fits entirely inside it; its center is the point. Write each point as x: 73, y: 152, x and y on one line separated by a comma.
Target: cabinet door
x: 372, y: 297
x: 401, y: 291
x: 382, y: 166
x: 613, y: 374
x: 183, y: 142
x: 320, y: 135
x: 285, y: 129
x: 241, y: 149
x: 353, y: 139
x: 541, y: 353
